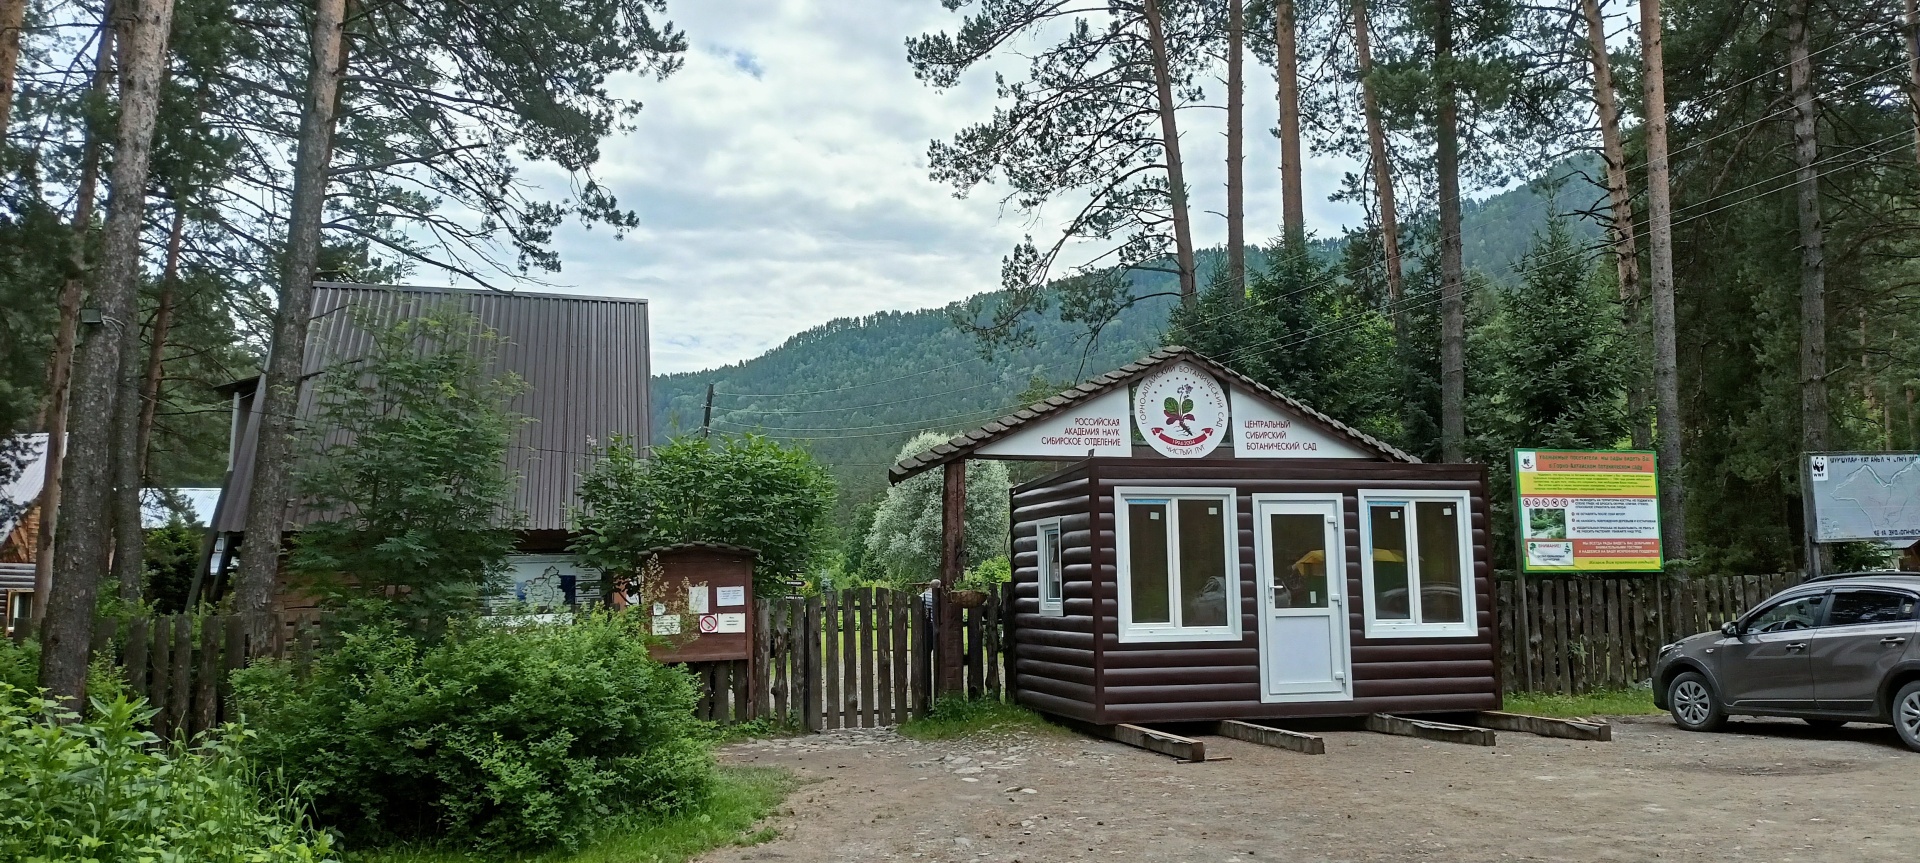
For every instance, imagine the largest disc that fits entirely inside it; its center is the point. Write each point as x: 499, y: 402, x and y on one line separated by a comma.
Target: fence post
x: 206, y: 696
x: 922, y: 644
x: 830, y: 668
x: 1009, y: 646
x: 810, y: 636
x: 883, y: 657
x: 180, y: 693
x: 762, y: 672
x: 135, y: 661
x: 902, y: 654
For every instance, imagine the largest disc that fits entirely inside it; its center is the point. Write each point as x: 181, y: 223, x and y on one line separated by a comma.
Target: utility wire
x: 1336, y: 326
x: 1314, y: 284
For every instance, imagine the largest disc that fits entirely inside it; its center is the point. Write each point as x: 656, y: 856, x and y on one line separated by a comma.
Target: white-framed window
x: 1053, y: 577
x: 1179, y: 564
x: 1416, y: 563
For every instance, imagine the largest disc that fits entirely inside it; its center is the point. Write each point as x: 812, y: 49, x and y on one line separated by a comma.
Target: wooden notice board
x: 702, y: 603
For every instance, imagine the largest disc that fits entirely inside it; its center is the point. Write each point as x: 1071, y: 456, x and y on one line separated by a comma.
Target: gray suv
x: 1838, y: 649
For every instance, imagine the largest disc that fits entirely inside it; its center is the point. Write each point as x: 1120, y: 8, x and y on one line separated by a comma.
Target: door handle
x: 1798, y: 645
x: 1893, y: 641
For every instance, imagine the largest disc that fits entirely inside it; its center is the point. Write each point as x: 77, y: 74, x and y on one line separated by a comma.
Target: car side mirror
x: 1730, y: 629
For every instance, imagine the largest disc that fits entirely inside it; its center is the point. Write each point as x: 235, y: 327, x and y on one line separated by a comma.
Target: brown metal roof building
x: 1216, y: 550
x: 584, y: 360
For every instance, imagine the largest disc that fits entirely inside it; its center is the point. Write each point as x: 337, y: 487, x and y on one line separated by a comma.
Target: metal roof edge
x: 451, y: 289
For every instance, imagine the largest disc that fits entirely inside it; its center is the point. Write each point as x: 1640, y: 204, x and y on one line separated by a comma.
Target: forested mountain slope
x: 854, y: 389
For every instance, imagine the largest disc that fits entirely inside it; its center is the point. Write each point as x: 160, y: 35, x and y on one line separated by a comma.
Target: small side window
x: 1802, y: 612
x: 1052, y: 570
x: 1855, y: 607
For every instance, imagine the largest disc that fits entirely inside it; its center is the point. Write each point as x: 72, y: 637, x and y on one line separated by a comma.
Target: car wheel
x: 1826, y: 724
x: 1906, y: 715
x: 1696, y: 708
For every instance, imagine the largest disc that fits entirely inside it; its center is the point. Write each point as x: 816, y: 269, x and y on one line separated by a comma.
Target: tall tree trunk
x: 280, y: 386
x: 162, y: 327
x: 1913, y: 69
x: 1626, y: 254
x: 1813, y: 267
x: 132, y: 425
x: 1286, y: 73
x: 13, y: 16
x: 1453, y: 305
x: 60, y: 365
x: 1170, y: 139
x: 1236, y: 158
x: 1382, y: 168
x: 81, y: 549
x: 1666, y: 366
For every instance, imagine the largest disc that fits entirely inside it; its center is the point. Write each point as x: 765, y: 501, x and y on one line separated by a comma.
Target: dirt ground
x: 1762, y: 792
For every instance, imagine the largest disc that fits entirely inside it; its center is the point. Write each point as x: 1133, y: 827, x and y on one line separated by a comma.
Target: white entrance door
x: 1303, y: 603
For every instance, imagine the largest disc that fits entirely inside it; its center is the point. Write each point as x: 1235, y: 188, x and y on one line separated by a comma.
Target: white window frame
x: 1414, y: 627
x: 1134, y: 633
x: 1050, y: 606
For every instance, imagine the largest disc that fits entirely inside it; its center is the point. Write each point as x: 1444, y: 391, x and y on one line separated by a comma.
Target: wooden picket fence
x: 1572, y: 635
x: 856, y: 658
x: 181, y: 663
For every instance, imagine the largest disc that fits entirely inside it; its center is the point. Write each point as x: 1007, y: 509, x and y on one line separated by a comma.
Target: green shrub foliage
x: 748, y: 490
x: 494, y: 737
x: 104, y: 790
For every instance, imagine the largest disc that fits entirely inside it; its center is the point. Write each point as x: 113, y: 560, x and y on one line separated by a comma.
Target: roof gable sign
x: 1262, y: 429
x: 1181, y: 403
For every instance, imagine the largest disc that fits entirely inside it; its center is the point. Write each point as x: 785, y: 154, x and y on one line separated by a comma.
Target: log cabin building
x: 1214, y: 549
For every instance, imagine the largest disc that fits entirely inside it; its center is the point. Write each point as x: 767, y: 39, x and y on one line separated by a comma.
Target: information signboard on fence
x: 1864, y: 496
x: 1587, y: 510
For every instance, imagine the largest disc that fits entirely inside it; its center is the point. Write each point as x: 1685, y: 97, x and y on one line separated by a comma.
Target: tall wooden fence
x: 1572, y: 635
x: 181, y: 663
x: 857, y: 658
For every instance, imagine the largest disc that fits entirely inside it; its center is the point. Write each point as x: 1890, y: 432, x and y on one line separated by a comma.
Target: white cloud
x: 780, y: 180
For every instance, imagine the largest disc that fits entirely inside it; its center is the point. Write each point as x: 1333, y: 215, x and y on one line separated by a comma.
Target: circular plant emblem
x: 1181, y: 411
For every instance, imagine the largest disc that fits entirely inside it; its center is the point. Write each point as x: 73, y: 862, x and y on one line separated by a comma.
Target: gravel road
x: 1763, y: 792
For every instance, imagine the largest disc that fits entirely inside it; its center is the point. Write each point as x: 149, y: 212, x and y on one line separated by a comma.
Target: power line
x: 1335, y: 327
x: 1328, y: 279
x: 849, y: 386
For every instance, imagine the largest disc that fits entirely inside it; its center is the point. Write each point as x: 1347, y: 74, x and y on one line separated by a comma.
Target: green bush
x: 20, y: 664
x: 495, y: 737
x: 104, y: 790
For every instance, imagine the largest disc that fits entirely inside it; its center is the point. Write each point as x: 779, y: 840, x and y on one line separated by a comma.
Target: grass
x: 958, y: 717
x: 742, y: 796
x: 755, y: 729
x: 1610, y: 702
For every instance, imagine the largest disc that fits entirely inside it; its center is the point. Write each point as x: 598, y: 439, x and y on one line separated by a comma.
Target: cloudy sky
x: 781, y: 180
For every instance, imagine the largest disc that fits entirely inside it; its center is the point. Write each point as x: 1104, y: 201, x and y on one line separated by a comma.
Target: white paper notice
x: 697, y: 596
x: 666, y: 624
x: 731, y: 596
x: 732, y: 622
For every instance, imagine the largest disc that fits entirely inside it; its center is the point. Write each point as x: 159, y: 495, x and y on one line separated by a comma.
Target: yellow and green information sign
x: 1587, y: 510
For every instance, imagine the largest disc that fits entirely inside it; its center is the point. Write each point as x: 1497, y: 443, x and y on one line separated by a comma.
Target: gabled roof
x: 964, y: 445
x: 583, y: 359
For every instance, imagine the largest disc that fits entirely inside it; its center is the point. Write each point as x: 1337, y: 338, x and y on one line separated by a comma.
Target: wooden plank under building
x: 1566, y: 729
x: 1165, y: 743
x: 1427, y: 729
x: 1279, y: 738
